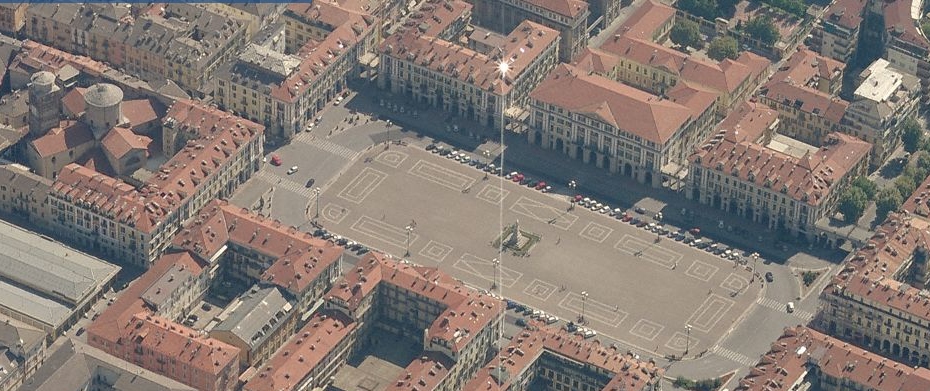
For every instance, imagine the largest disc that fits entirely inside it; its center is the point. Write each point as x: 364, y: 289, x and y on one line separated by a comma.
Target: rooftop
x: 809, y: 179
x: 294, y: 361
x: 645, y: 20
x: 49, y: 267
x: 789, y: 359
x: 523, y: 45
x: 881, y: 82
x: 809, y: 69
x: 845, y: 13
x: 629, y: 109
x: 257, y: 314
x: 569, y: 8
x: 68, y: 135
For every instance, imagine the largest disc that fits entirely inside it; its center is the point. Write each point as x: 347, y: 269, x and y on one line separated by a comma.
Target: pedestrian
x: 559, y: 240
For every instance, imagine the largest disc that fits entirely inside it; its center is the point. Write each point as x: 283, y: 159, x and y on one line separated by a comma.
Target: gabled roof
x: 119, y: 141
x: 68, y: 135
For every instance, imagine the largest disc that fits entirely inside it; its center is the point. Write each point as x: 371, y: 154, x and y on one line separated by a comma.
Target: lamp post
x: 496, y: 263
x: 503, y: 67
x: 572, y: 185
x: 409, y: 230
x: 316, y: 191
x: 658, y: 218
x: 687, y: 339
x: 584, y: 298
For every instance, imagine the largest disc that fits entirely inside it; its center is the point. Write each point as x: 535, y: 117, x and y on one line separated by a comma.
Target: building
x: 884, y: 99
x: 906, y: 47
x: 45, y: 284
x: 23, y: 194
x: 807, y: 114
x: 22, y: 351
x: 285, y: 91
x: 254, y: 249
x: 12, y: 17
x: 216, y: 152
x: 568, y: 17
x: 133, y: 328
x: 467, y: 83
x: 74, y: 366
x: 44, y: 103
x: 619, y: 128
x: 802, y: 359
x: 634, y: 57
x: 563, y: 361
x: 14, y: 110
x: 773, y: 180
x: 181, y: 42
x: 837, y: 34
x: 454, y: 324
x: 259, y: 324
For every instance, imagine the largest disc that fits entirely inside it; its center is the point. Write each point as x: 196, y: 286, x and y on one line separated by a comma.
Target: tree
x: 923, y: 162
x: 706, y: 9
x: 887, y: 201
x: 852, y: 204
x: 686, y: 33
x: 867, y: 187
x: 723, y: 47
x: 905, y: 186
x: 911, y: 134
x: 763, y: 29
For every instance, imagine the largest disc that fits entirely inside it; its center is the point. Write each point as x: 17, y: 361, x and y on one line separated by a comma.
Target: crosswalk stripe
x: 778, y: 306
x: 285, y: 183
x: 327, y: 146
x: 733, y: 356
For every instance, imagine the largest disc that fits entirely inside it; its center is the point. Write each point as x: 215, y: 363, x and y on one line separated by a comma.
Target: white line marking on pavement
x: 733, y: 356
x: 783, y: 307
x: 284, y: 183
x: 327, y: 146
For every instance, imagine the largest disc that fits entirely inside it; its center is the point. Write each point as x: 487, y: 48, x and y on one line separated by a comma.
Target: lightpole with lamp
x: 584, y: 298
x: 316, y: 192
x: 687, y: 339
x: 409, y: 230
x: 572, y: 185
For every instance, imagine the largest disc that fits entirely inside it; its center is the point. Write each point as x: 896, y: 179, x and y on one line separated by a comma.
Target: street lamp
x: 584, y: 298
x: 316, y: 191
x: 572, y: 185
x: 658, y: 218
x: 687, y: 340
x: 409, y: 229
x: 503, y: 67
x: 497, y: 263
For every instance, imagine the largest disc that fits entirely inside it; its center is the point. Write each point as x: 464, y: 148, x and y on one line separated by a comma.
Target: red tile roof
x: 846, y: 13
x: 139, y: 112
x: 73, y: 101
x: 523, y: 46
x: 38, y: 57
x: 423, y: 373
x: 299, y: 257
x: 68, y: 135
x: 569, y: 8
x: 435, y: 16
x: 526, y: 347
x: 807, y: 68
x: 899, y: 23
x: 349, y: 26
x: 788, y: 360
x: 809, y: 179
x: 622, y: 106
x: 596, y: 60
x: 128, y: 323
x: 466, y: 311
x: 109, y: 196
x: 644, y: 22
x: 119, y: 141
x: 790, y: 93
x: 747, y: 122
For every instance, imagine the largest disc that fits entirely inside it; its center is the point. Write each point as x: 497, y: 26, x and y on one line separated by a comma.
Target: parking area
x: 630, y: 286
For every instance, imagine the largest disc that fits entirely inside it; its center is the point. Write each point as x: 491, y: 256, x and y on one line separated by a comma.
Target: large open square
x: 639, y: 291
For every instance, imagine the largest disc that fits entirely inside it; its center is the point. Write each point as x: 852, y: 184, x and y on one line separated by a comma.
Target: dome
x: 43, y: 78
x: 103, y: 95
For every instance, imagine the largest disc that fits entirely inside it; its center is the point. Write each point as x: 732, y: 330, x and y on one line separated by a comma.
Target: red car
x: 517, y: 178
x: 578, y: 198
x: 541, y: 185
x: 276, y: 160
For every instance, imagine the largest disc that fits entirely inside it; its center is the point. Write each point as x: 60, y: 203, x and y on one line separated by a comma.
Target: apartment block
x: 884, y: 99
x: 564, y: 362
x: 619, y: 128
x: 12, y: 17
x: 258, y: 324
x: 802, y: 359
x: 773, y: 180
x: 568, y: 17
x: 23, y: 350
x: 467, y: 83
x: 116, y: 219
x: 284, y: 91
x: 837, y: 34
x: 132, y: 331
x: 256, y: 250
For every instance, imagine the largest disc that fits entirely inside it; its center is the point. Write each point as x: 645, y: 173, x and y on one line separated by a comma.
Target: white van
x: 790, y: 307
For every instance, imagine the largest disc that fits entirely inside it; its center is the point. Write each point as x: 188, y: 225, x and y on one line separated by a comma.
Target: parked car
x: 431, y: 147
x: 276, y: 160
x: 541, y: 185
x: 769, y: 277
x: 520, y: 322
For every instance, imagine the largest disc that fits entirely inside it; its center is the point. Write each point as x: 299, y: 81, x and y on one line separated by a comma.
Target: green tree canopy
x: 686, y: 33
x: 706, y: 9
x: 911, y: 134
x: 888, y: 200
x: 905, y: 186
x: 869, y: 188
x: 723, y: 47
x: 852, y: 204
x: 763, y: 29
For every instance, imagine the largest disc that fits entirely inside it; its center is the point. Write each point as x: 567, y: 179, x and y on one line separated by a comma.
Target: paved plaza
x: 640, y: 291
